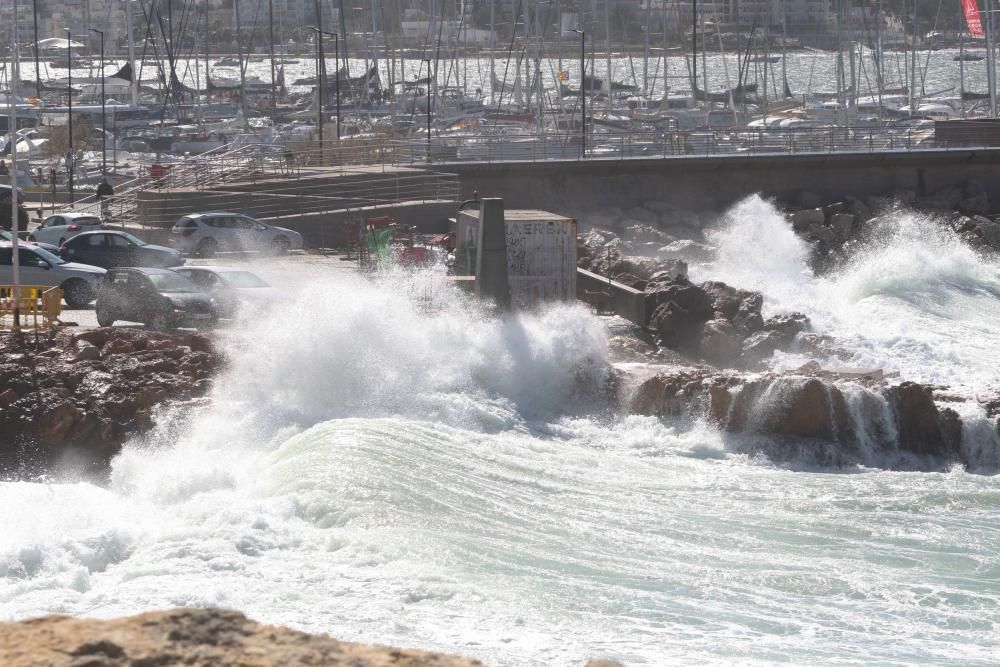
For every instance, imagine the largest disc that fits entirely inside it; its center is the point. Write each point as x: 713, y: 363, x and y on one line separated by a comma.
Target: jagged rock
x: 805, y: 219
x: 759, y: 346
x: 688, y: 250
x: 788, y: 326
x: 87, y: 352
x: 859, y: 210
x: 676, y: 325
x: 821, y: 233
x: 843, y: 224
x: 7, y: 396
x: 921, y: 426
x: 192, y: 637
x: 692, y: 299
x: 748, y: 319
x: 81, y: 400
x: 670, y: 271
x: 989, y: 232
x: 720, y: 342
x: 726, y: 299
x: 644, y: 233
x: 833, y: 209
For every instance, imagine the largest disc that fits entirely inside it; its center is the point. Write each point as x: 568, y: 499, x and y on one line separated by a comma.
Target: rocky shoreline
x: 71, y: 400
x: 192, y: 637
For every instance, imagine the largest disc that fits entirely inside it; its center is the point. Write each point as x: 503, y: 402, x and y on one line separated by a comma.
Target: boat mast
x: 134, y: 83
x: 961, y: 72
x: 694, y: 48
x: 270, y: 47
x: 645, y: 53
x: 913, y: 59
x: 239, y: 56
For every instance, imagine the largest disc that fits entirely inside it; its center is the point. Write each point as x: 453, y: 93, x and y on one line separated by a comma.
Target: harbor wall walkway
x: 715, y: 183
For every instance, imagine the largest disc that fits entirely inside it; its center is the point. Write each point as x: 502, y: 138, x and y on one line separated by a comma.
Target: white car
x: 207, y: 233
x: 57, y: 229
x: 79, y: 282
x: 232, y: 287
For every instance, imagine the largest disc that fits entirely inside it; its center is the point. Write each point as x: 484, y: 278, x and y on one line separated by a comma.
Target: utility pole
x: 70, y: 158
x: 270, y: 47
x: 38, y: 78
x: 104, y: 118
x: 583, y: 93
x: 12, y: 109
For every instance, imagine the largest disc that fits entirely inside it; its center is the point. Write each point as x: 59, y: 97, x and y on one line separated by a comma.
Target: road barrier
x: 39, y: 305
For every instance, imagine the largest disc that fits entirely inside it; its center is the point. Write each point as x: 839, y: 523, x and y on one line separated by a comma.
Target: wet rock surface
x: 216, y: 637
x: 862, y: 414
x: 77, y: 397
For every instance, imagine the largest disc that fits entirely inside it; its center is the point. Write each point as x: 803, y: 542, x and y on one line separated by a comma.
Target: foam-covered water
x: 386, y: 462
x: 914, y: 298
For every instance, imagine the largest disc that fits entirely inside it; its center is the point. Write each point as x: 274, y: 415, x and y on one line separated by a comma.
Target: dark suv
x: 160, y: 298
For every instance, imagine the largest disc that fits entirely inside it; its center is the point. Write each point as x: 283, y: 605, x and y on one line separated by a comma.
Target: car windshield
x: 48, y: 256
x: 241, y: 279
x: 171, y: 282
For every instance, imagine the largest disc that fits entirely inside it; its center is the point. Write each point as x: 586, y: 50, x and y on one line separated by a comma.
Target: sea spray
x: 912, y: 297
x: 393, y: 470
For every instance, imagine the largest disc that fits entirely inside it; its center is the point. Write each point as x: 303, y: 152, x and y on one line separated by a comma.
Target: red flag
x: 972, y: 17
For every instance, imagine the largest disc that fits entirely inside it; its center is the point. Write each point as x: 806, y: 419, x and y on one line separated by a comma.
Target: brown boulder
x: 922, y: 428
x: 720, y: 342
x: 192, y: 637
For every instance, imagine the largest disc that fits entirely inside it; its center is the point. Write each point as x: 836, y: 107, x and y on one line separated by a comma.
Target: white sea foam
x: 387, y: 462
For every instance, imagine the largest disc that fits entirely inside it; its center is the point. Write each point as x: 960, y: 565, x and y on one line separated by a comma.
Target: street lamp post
x: 583, y: 93
x: 430, y: 84
x: 69, y: 77
x: 104, y: 118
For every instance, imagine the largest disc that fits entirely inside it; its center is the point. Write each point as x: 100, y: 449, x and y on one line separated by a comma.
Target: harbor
x: 555, y: 333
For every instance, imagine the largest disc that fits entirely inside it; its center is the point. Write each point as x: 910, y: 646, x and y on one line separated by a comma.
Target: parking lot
x: 282, y: 273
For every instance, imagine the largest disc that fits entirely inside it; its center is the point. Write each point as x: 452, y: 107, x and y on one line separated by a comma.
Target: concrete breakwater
x: 711, y: 184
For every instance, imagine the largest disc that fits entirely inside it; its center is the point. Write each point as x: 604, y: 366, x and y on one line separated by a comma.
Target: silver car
x: 60, y: 227
x: 79, y: 282
x: 205, y: 234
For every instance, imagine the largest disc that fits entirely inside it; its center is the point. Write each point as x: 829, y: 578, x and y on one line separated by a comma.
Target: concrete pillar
x: 491, y: 258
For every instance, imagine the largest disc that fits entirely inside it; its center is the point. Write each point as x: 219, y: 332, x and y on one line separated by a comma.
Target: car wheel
x: 104, y: 318
x: 280, y: 246
x: 162, y: 322
x: 208, y: 247
x: 77, y: 293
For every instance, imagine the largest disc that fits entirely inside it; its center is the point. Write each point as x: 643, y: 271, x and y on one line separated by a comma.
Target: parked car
x: 159, y: 298
x: 5, y: 194
x: 110, y: 249
x: 230, y: 286
x: 59, y: 228
x: 8, y: 236
x: 207, y: 233
x: 38, y: 266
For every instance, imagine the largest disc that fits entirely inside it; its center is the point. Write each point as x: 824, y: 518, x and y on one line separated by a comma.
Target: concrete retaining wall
x: 715, y: 183
x: 611, y: 296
